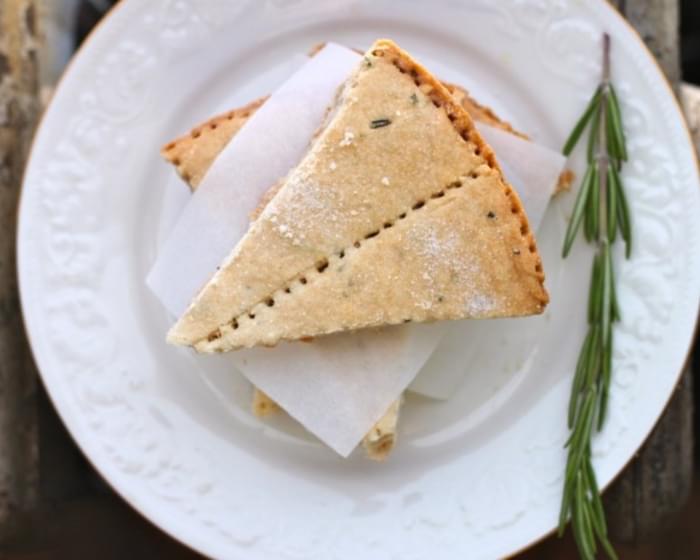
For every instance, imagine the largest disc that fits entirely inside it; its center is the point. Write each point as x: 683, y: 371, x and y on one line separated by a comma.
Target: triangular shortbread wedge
x: 398, y: 212
x: 192, y: 154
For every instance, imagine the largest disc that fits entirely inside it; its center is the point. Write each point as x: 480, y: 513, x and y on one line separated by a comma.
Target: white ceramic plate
x: 478, y: 476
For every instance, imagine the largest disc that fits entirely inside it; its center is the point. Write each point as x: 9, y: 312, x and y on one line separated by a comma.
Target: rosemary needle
x: 579, y: 209
x: 582, y: 123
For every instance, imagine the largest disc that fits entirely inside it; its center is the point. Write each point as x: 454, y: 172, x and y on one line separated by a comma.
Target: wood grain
x: 658, y: 24
x: 19, y: 109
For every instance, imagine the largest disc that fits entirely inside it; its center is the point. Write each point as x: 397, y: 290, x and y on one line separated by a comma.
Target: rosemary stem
x: 601, y: 200
x: 602, y: 155
x: 606, y: 59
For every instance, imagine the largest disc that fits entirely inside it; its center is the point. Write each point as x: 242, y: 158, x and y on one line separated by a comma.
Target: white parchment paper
x: 340, y: 385
x: 271, y: 143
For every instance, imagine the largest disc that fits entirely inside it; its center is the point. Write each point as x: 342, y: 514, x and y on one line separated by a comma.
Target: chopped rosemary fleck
x: 414, y: 99
x: 368, y: 62
x: 379, y: 123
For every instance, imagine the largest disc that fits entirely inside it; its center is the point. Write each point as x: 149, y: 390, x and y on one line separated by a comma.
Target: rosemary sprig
x: 601, y: 206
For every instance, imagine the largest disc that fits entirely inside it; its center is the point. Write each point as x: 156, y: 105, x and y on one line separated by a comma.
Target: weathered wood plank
x: 644, y: 499
x: 658, y: 23
x: 19, y: 109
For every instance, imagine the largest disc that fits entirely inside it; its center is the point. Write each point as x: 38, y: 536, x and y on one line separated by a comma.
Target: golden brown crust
x: 381, y: 439
x: 263, y: 405
x: 242, y: 298
x: 192, y: 154
x: 314, y: 50
x: 464, y: 125
x: 565, y: 181
x: 479, y: 112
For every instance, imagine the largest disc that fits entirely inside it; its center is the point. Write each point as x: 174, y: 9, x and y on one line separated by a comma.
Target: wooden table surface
x: 53, y: 505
